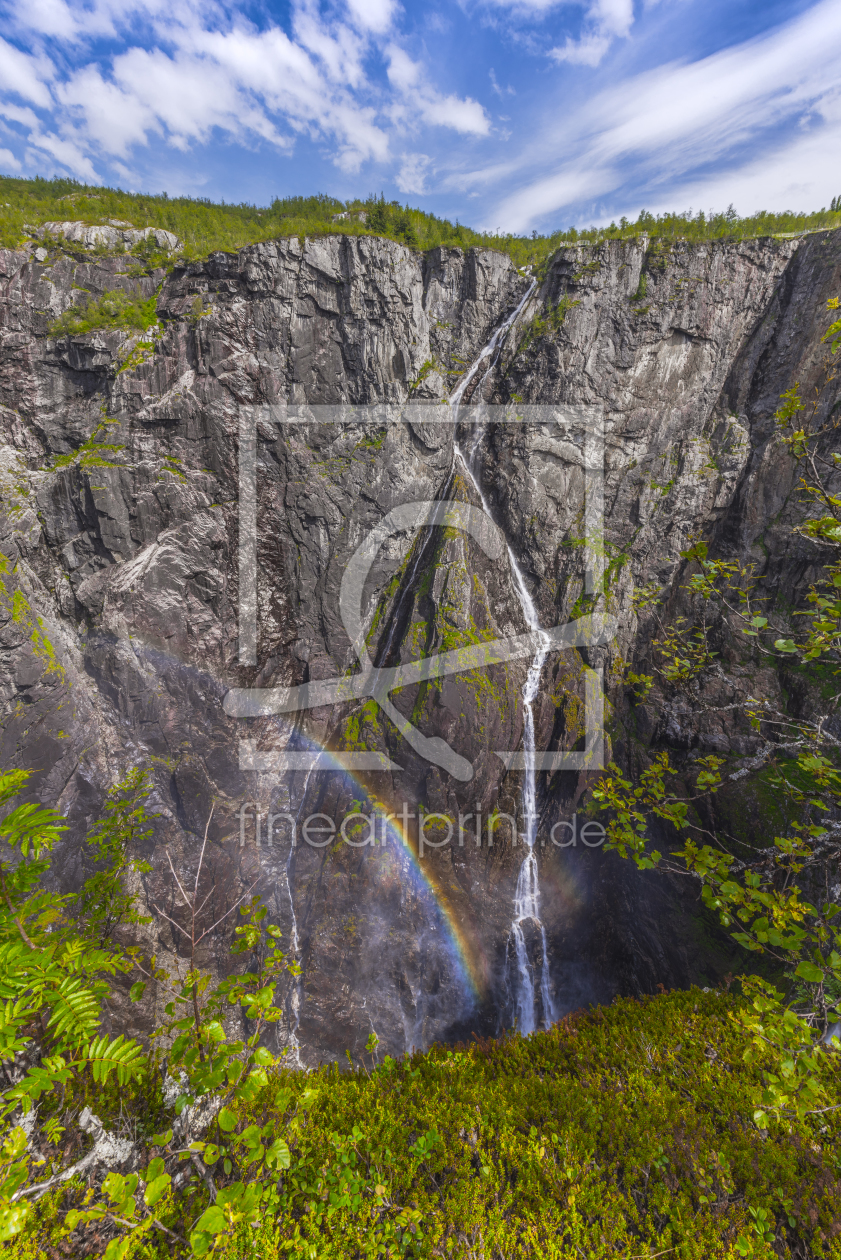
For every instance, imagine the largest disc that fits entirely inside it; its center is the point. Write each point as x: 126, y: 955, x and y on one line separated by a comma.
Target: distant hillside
x: 205, y: 226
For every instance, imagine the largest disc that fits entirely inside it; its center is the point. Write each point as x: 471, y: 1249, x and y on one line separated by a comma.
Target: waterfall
x: 295, y: 989
x: 532, y: 1005
x: 490, y: 351
x: 294, y: 1010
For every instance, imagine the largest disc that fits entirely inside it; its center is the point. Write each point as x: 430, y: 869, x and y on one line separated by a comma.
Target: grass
x: 204, y: 226
x: 623, y: 1132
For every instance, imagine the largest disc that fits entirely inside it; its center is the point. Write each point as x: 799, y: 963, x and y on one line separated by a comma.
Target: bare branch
x: 229, y: 911
x: 201, y: 855
x: 204, y: 1172
x: 164, y: 915
x: 177, y: 880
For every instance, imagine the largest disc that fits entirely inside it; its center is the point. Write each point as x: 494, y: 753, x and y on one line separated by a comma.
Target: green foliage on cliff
x: 92, y: 453
x: 115, y: 309
x: 769, y: 898
x: 625, y: 1132
x: 551, y: 320
x: 204, y: 226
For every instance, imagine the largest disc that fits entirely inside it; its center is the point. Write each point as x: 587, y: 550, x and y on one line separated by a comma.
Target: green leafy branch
x: 219, y: 1074
x: 762, y: 899
x: 55, y: 967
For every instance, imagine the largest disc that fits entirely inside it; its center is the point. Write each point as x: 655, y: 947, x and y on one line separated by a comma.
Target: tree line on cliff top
x: 204, y: 226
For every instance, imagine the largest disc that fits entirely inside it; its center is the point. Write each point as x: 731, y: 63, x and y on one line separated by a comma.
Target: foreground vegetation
x: 625, y: 1132
x: 204, y: 226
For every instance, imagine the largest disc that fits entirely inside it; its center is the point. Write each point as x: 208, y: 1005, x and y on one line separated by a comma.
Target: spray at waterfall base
x: 429, y: 830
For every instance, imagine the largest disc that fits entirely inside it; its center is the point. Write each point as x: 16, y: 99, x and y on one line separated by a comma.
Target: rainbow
x: 471, y: 964
x: 470, y: 961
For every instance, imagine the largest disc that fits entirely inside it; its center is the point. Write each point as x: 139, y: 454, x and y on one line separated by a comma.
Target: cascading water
x: 490, y: 351
x: 295, y: 990
x: 532, y: 1003
x: 294, y: 1006
x: 527, y: 895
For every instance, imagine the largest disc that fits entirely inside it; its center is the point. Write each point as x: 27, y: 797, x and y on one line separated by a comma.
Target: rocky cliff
x: 120, y: 614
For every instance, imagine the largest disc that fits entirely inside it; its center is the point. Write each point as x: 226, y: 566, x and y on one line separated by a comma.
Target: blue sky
x: 522, y: 116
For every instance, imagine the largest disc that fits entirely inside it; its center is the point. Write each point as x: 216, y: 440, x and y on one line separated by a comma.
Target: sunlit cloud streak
x: 665, y: 123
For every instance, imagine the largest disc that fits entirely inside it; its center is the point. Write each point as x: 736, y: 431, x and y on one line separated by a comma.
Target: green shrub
x: 764, y: 898
x: 624, y: 1132
x: 115, y: 309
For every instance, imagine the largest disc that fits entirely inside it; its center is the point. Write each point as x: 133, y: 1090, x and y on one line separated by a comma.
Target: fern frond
x: 122, y: 1056
x: 32, y: 827
x: 76, y: 1012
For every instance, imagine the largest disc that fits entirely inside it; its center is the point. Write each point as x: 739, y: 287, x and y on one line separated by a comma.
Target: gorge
x: 121, y: 610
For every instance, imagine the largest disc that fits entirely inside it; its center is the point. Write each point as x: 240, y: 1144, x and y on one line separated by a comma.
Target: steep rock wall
x: 119, y: 630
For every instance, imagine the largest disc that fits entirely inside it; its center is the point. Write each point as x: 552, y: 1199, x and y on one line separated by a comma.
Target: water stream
x: 528, y: 982
x: 294, y: 998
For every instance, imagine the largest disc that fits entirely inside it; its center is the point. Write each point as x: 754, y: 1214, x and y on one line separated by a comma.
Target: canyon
x: 369, y: 377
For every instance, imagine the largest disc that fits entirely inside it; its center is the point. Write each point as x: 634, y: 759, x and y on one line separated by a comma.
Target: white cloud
x: 403, y: 73
x: 461, y: 113
x: 373, y: 15
x: 605, y: 21
x: 500, y: 91
x: 18, y: 113
x: 717, y: 101
x: 48, y: 17
x: 24, y: 75
x: 8, y: 161
x: 575, y: 182
x: 796, y: 177
x: 65, y: 153
x: 667, y: 122
x: 421, y: 101
x: 114, y: 120
x: 54, y: 18
x: 80, y: 21
x: 337, y: 47
x: 190, y: 96
x: 528, y: 7
x: 413, y: 171
x: 586, y: 51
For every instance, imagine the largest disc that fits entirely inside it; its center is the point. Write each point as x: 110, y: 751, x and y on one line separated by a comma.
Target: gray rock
x: 114, y: 235
x: 129, y: 557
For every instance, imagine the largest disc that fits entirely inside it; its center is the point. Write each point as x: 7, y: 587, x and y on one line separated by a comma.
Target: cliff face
x: 119, y: 627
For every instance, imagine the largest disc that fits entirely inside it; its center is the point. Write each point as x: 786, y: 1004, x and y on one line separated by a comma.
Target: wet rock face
x: 119, y: 611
